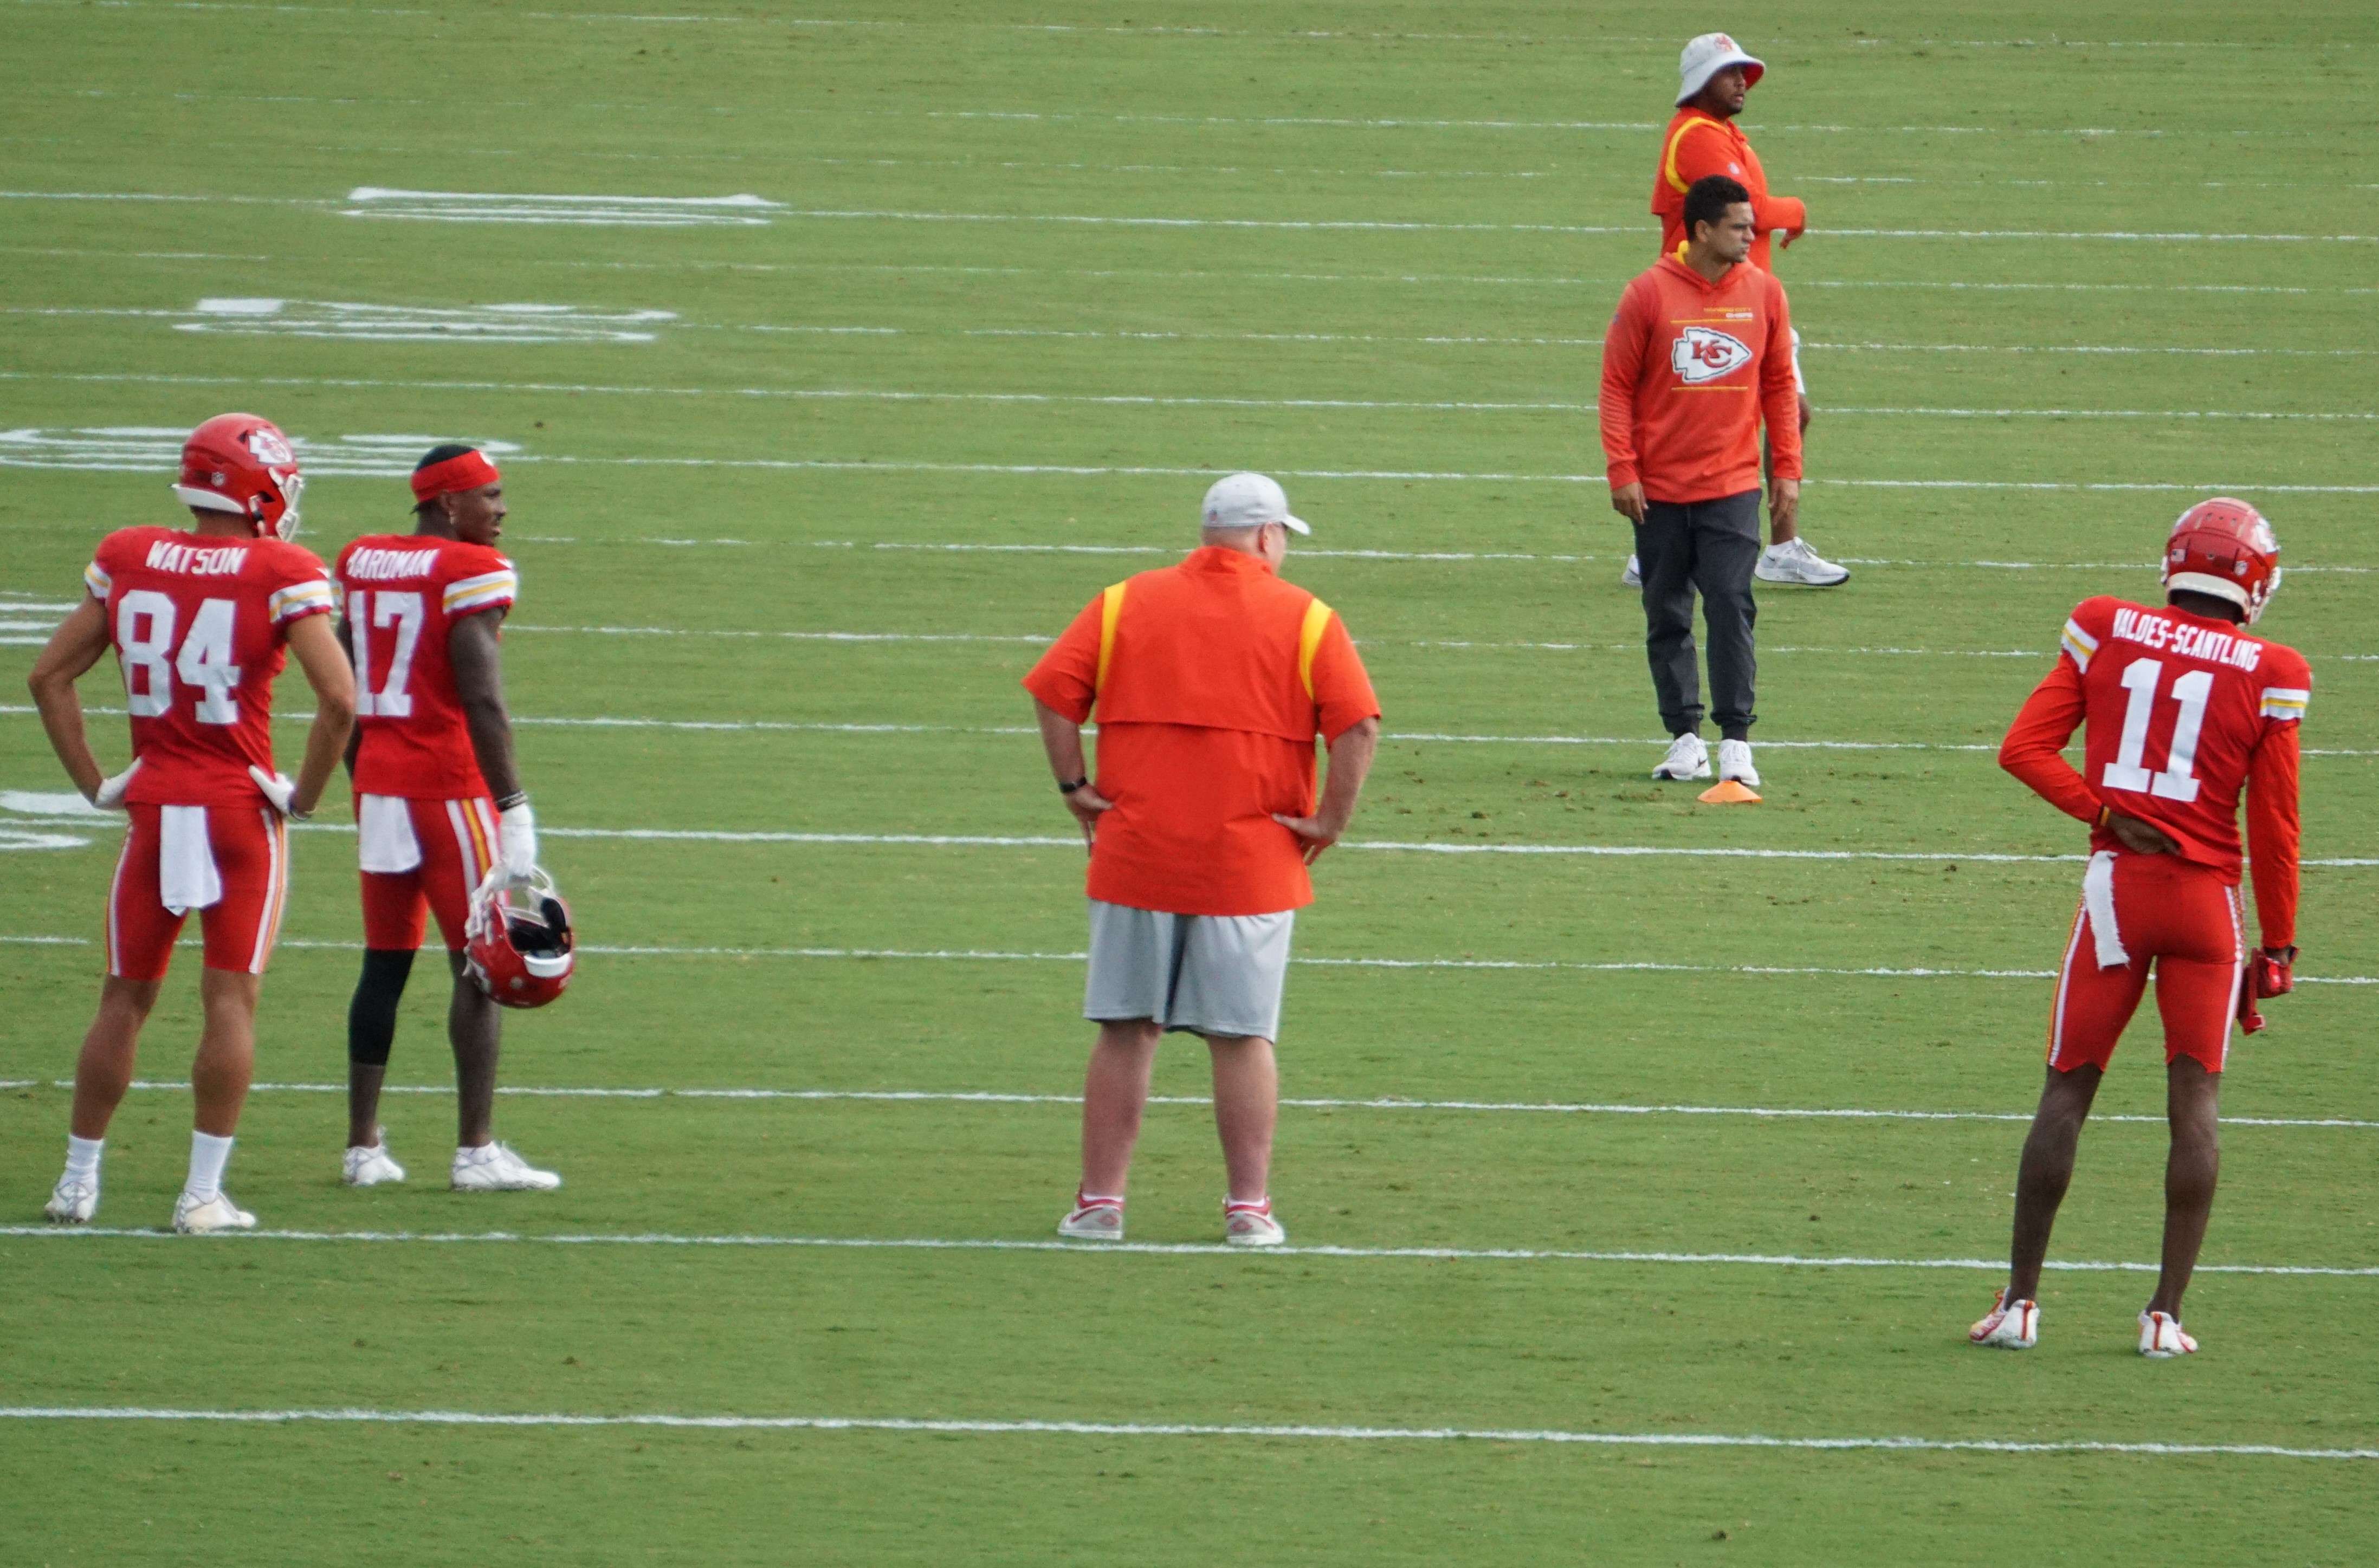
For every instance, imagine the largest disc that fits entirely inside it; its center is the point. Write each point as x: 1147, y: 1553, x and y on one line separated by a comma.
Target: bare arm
x: 1062, y: 739
x: 73, y: 649
x: 1351, y: 752
x: 472, y: 648
x: 318, y: 653
x: 355, y: 735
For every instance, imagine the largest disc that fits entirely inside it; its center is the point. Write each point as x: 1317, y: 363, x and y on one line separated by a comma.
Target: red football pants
x: 458, y: 840
x: 2183, y: 919
x: 249, y: 846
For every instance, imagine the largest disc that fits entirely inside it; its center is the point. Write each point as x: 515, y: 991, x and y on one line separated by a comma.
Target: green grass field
x: 1031, y: 273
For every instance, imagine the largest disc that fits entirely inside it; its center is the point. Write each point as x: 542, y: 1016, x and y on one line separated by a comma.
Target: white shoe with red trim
x: 2009, y: 1325
x: 2161, y: 1339
x: 1251, y: 1224
x: 1092, y: 1219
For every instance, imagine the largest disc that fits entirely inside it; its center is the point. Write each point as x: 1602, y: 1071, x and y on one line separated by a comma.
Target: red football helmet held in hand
x: 520, y: 957
x: 2224, y: 548
x: 240, y: 464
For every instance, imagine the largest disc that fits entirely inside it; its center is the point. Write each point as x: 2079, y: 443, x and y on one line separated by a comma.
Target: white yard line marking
x: 489, y: 207
x: 1377, y: 1102
x: 1185, y: 1248
x: 141, y: 449
x: 1126, y: 400
x: 1059, y: 1428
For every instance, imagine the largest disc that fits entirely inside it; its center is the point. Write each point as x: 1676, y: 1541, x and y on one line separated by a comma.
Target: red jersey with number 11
x: 2182, y: 712
x: 402, y: 594
x: 199, y: 622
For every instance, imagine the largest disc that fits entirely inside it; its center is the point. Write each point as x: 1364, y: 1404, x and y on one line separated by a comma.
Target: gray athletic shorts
x: 1208, y: 975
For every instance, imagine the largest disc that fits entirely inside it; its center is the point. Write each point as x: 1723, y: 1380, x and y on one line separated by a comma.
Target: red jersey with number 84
x: 2183, y: 713
x: 200, y: 623
x: 402, y: 594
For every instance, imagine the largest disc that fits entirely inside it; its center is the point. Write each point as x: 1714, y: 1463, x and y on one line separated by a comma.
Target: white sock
x: 209, y: 1155
x: 82, y: 1158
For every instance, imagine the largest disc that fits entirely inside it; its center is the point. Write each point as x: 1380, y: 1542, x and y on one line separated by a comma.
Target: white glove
x: 518, y: 825
x: 279, y: 789
x: 108, y: 796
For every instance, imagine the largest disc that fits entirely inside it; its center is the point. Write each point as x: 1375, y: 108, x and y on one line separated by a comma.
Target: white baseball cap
x: 1248, y: 501
x: 1708, y: 56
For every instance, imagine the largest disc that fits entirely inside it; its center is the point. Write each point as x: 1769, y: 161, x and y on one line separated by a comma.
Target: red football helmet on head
x: 520, y: 957
x: 2224, y: 548
x: 241, y: 464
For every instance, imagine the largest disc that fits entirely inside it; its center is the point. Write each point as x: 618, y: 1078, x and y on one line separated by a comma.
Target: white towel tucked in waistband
x: 2099, y: 899
x: 186, y: 878
x: 384, y: 834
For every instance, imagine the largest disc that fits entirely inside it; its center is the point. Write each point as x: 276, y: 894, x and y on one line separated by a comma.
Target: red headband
x: 466, y: 471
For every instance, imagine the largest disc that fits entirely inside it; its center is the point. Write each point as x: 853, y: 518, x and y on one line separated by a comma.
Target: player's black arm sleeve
x: 473, y: 650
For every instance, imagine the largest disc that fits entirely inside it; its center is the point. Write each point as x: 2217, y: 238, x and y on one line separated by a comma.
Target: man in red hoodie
x: 1714, y: 79
x: 1699, y: 353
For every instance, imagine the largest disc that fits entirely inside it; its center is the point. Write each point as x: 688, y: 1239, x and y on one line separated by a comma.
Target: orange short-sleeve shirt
x: 1216, y: 682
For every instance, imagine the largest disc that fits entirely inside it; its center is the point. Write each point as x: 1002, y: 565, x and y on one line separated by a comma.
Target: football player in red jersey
x: 439, y: 803
x: 2182, y: 710
x: 199, y: 618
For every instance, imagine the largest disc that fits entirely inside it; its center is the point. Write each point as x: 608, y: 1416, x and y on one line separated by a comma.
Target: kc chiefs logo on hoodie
x: 1704, y: 354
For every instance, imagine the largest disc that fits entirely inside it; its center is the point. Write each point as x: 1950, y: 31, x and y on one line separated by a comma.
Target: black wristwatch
x: 1077, y: 784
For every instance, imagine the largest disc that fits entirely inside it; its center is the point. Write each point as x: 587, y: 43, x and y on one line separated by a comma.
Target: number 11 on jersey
x: 2177, y: 782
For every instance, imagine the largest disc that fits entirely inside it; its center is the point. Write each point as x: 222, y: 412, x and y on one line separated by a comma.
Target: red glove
x: 2271, y: 973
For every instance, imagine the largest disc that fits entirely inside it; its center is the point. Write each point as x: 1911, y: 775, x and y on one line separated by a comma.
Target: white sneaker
x: 1633, y: 578
x: 1734, y: 762
x: 2009, y: 1325
x: 1100, y: 1221
x: 1794, y: 562
x: 2161, y: 1339
x: 493, y: 1167
x: 196, y: 1216
x: 1687, y: 758
x: 72, y: 1203
x: 1251, y: 1224
x: 370, y: 1165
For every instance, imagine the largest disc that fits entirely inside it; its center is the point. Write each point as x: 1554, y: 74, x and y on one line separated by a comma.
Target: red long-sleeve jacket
x: 1699, y: 143
x: 1690, y: 367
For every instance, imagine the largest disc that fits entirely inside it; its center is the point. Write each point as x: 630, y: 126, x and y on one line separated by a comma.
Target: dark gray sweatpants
x: 1707, y: 547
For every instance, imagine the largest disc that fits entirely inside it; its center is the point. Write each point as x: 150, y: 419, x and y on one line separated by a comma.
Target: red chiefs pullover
x: 1689, y: 369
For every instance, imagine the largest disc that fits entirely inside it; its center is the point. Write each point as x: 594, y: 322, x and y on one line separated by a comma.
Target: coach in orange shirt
x: 1698, y: 355
x: 1210, y: 680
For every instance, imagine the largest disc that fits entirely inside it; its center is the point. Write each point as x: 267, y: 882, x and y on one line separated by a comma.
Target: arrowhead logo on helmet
x: 240, y: 464
x: 1704, y: 354
x: 522, y: 957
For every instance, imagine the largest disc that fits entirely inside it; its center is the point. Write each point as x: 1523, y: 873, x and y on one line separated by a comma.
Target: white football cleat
x: 1734, y: 762
x: 1794, y: 562
x: 370, y: 1166
x: 1099, y: 1219
x: 2161, y: 1339
x: 1687, y: 758
x: 493, y: 1167
x: 1251, y: 1224
x: 72, y: 1203
x: 1633, y: 576
x: 2009, y: 1325
x: 196, y: 1216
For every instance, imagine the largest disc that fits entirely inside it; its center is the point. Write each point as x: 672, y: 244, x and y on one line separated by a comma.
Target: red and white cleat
x: 2161, y: 1339
x: 1251, y: 1224
x: 2009, y: 1325
x: 1093, y: 1219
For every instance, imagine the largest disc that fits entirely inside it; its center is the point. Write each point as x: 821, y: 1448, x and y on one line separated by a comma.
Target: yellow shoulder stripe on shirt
x: 1669, y: 157
x: 1110, y: 612
x: 1308, y: 641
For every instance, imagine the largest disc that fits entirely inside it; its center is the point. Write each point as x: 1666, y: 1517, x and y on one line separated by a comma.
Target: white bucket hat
x: 1248, y: 501
x: 1708, y: 56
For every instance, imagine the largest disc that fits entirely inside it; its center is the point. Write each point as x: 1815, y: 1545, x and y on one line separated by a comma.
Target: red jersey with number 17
x: 199, y: 622
x: 402, y: 594
x: 2183, y: 713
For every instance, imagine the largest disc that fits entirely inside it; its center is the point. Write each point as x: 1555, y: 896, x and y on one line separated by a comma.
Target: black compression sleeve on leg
x: 372, y: 1016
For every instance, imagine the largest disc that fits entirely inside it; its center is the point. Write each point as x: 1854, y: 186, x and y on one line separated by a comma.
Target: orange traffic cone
x: 1728, y: 792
